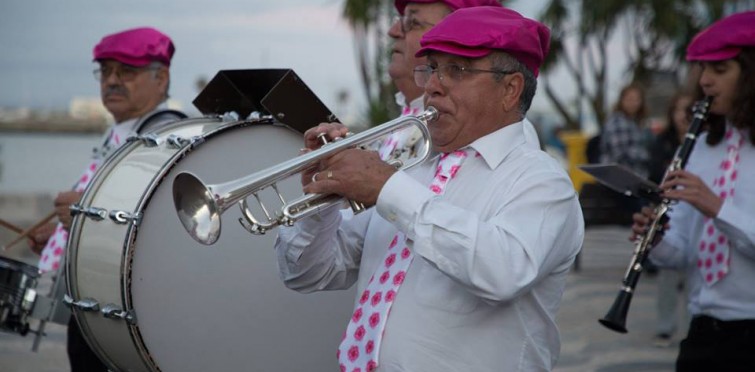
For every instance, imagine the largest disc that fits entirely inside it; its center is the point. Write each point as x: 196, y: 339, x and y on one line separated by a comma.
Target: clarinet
x: 616, y: 317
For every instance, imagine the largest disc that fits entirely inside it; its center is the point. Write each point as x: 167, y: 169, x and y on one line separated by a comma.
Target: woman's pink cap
x: 478, y: 31
x: 724, y: 39
x: 136, y: 47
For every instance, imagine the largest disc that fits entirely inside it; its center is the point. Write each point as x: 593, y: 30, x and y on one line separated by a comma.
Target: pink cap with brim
x: 723, y: 39
x: 453, y: 4
x: 478, y: 31
x: 136, y: 47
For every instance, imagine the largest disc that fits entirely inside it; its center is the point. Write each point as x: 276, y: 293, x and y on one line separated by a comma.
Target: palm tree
x: 370, y: 20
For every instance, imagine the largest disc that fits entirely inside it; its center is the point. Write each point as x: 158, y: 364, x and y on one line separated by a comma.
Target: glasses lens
x: 422, y: 75
x: 97, y: 74
x: 452, y: 71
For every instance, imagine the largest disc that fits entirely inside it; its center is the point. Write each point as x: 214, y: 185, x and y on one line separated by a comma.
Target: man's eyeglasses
x: 452, y: 71
x: 123, y: 73
x: 409, y: 23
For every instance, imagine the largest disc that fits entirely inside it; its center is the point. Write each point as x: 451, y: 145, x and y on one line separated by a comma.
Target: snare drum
x: 17, y: 294
x: 150, y: 298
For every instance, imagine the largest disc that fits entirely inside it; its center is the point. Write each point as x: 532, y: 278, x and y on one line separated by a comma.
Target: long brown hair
x: 743, y: 105
x: 641, y: 112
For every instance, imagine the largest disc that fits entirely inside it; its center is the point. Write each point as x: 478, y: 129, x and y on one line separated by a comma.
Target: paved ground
x: 586, y: 345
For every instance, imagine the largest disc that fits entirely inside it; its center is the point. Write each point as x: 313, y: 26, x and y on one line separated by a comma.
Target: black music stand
x: 624, y: 181
x: 277, y: 92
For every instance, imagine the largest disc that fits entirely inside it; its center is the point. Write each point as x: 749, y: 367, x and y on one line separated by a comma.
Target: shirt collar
x: 418, y: 102
x: 496, y: 146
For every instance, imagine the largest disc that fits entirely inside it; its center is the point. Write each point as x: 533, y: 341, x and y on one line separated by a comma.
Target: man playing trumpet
x: 462, y: 263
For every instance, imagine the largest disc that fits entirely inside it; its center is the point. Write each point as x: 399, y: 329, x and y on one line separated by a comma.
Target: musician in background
x: 462, y: 262
x: 134, y: 76
x: 416, y: 18
x: 711, y: 232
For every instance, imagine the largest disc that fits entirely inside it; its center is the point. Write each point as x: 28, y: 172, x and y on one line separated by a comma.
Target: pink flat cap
x: 136, y: 47
x: 478, y: 31
x: 724, y: 39
x: 453, y: 4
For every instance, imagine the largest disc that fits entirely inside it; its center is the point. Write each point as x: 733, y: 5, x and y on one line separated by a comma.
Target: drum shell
x: 197, y: 308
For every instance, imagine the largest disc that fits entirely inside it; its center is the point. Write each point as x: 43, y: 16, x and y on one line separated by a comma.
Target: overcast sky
x: 46, y: 45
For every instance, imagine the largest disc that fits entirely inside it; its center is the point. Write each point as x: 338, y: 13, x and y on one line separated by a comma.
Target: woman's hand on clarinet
x: 641, y: 222
x: 685, y: 186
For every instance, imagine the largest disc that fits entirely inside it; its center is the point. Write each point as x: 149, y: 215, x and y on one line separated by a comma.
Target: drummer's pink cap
x: 478, y: 31
x: 453, y: 4
x: 136, y: 47
x: 723, y: 39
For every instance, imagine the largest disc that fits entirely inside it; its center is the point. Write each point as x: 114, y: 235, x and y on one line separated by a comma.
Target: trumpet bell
x: 197, y: 209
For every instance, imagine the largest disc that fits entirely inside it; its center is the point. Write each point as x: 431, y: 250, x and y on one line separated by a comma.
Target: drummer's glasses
x: 409, y: 23
x: 124, y: 73
x: 448, y: 74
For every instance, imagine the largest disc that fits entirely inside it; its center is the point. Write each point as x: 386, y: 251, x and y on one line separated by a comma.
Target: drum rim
x: 16, y: 265
x: 129, y: 241
x: 133, y: 229
x: 71, y: 251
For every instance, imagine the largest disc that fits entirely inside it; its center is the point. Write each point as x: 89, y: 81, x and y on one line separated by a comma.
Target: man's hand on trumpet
x: 357, y: 175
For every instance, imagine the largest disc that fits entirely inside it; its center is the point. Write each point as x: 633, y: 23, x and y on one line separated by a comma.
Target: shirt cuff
x: 304, y: 232
x: 401, y: 199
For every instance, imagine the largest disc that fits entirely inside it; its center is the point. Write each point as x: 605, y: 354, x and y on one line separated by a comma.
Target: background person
x: 711, y: 232
x: 134, y: 76
x: 626, y: 138
x: 415, y: 18
x: 481, y: 255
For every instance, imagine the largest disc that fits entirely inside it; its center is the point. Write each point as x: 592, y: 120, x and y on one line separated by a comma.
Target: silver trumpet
x: 199, y: 206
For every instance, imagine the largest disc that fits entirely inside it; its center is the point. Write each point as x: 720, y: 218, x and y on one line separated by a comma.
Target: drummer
x: 133, y: 69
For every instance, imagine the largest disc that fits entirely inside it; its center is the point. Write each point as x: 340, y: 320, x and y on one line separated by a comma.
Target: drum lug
x: 230, y: 116
x: 97, y: 214
x: 177, y: 142
x: 123, y: 217
x: 86, y: 304
x: 148, y: 140
x: 111, y: 311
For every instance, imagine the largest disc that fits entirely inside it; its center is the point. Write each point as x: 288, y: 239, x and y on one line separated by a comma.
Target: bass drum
x: 150, y: 298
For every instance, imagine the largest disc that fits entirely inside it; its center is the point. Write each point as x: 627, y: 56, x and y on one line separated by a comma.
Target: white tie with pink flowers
x: 398, y: 139
x: 360, y: 346
x: 52, y: 254
x: 713, y: 252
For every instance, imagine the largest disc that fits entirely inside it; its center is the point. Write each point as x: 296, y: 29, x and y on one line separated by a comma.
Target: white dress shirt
x: 733, y: 297
x: 492, y: 255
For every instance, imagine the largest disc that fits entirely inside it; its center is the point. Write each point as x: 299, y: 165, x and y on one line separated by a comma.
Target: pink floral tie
x: 713, y: 252
x: 55, y: 248
x: 396, y: 140
x: 360, y: 346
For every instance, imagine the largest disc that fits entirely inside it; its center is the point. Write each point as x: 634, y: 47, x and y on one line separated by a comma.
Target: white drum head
x: 223, y: 307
